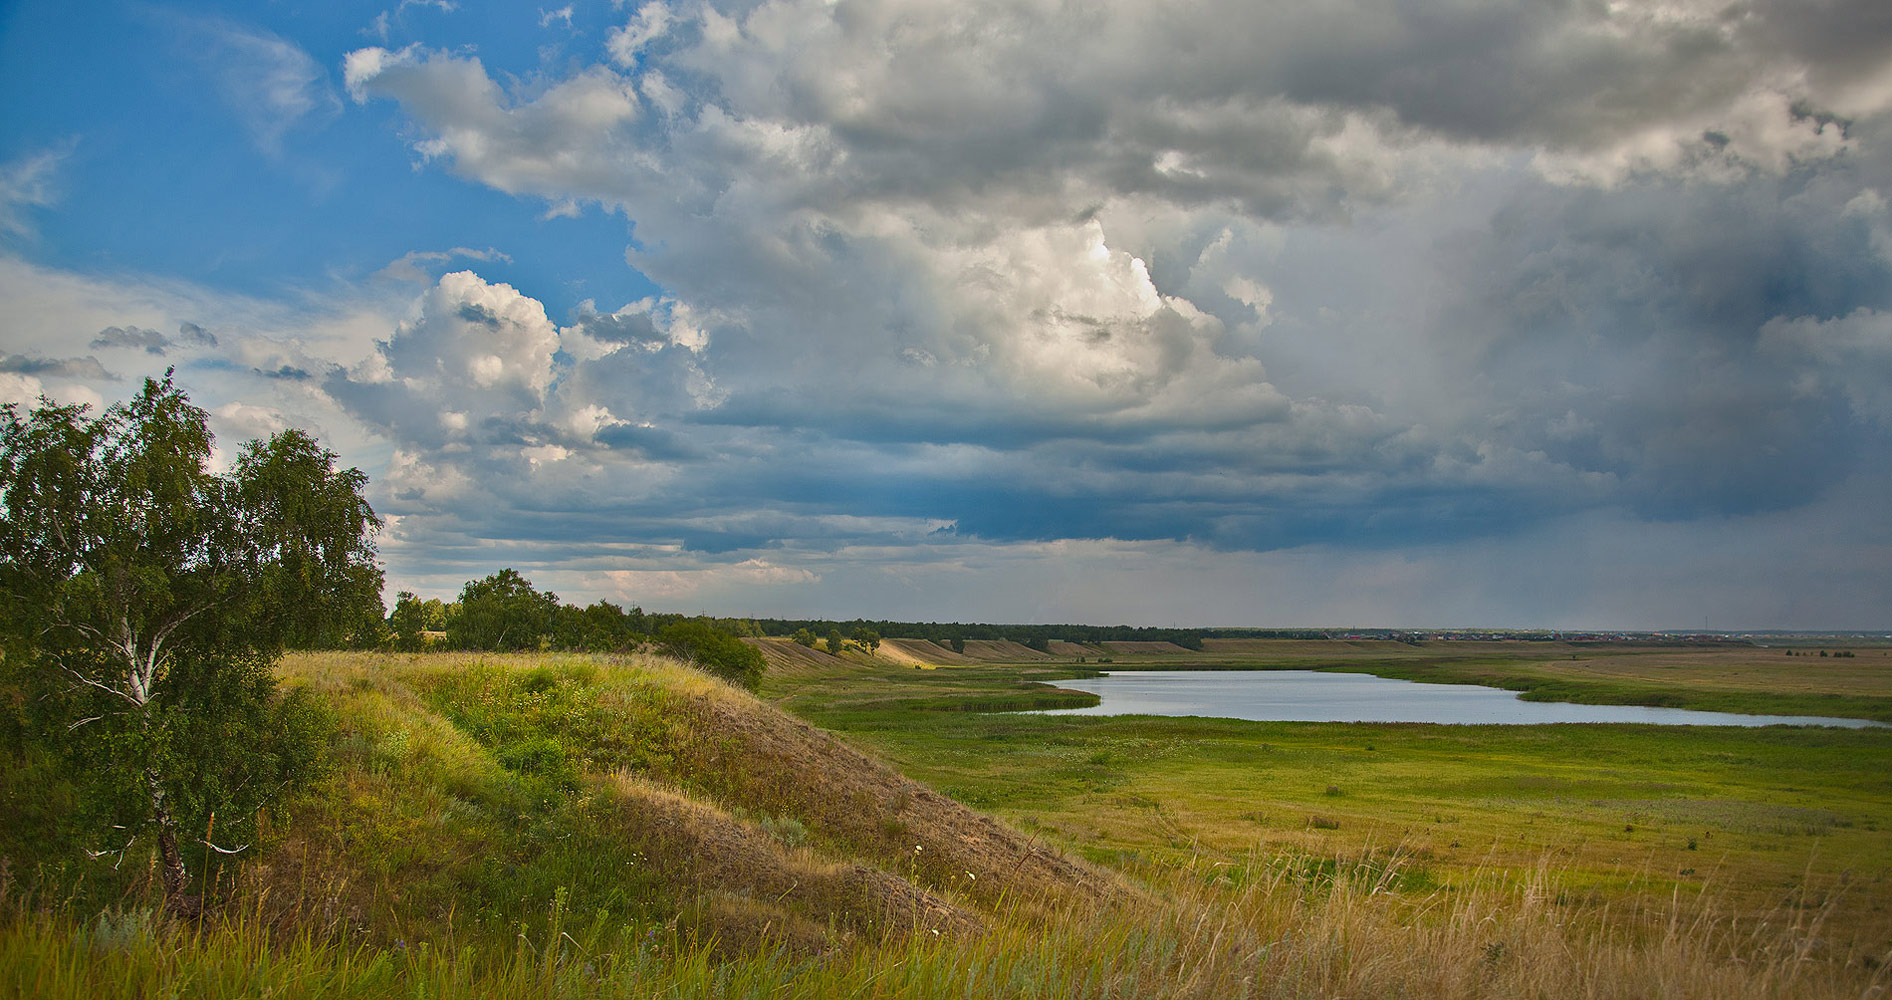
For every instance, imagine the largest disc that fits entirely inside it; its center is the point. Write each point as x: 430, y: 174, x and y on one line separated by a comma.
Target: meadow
x: 1783, y: 677
x: 561, y: 825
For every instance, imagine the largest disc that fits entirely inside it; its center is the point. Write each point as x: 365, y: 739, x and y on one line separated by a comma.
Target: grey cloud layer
x: 1256, y: 276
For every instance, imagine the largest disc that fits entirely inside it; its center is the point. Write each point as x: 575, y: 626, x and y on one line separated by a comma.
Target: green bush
x: 502, y: 612
x: 715, y: 651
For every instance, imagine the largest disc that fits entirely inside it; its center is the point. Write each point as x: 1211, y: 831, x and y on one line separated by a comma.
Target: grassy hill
x: 566, y: 826
x: 642, y: 790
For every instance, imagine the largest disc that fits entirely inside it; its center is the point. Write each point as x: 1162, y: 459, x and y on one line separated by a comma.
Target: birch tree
x: 146, y: 600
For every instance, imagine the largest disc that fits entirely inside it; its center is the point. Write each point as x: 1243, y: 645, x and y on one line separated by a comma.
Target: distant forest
x: 506, y: 612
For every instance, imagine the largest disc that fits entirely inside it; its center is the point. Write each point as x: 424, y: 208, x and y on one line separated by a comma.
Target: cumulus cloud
x: 194, y: 335
x: 1251, y: 276
x: 136, y: 338
x: 489, y: 402
x: 467, y: 348
x: 151, y: 341
x: 1654, y: 335
x: 1370, y: 298
x: 87, y: 367
x: 418, y: 265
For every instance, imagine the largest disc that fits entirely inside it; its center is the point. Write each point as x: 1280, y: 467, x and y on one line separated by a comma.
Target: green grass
x: 1274, y: 927
x: 490, y: 828
x: 1725, y: 677
x: 1538, y: 681
x: 1767, y: 809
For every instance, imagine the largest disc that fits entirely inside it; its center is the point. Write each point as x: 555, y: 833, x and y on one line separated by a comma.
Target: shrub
x: 715, y: 651
x: 502, y: 612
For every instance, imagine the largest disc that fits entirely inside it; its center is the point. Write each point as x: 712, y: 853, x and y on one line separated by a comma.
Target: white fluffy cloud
x: 1040, y: 230
x: 946, y: 285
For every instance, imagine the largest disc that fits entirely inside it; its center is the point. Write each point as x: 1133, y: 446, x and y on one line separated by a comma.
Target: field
x: 565, y: 826
x: 1724, y: 677
x: 1762, y: 817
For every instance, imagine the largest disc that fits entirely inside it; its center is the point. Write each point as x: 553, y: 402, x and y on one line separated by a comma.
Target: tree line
x: 506, y: 613
x: 956, y: 634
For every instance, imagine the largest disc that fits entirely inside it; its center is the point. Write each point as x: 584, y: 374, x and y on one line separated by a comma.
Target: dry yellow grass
x: 1868, y: 672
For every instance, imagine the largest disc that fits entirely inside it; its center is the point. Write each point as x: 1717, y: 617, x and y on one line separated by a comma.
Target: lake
x: 1316, y: 696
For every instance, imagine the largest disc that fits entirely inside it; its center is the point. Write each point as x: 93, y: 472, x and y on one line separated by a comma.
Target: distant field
x: 1731, y: 677
x: 1766, y: 818
x: 1868, y: 672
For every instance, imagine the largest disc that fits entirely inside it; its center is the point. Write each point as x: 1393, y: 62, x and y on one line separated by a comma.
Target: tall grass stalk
x: 1310, y: 927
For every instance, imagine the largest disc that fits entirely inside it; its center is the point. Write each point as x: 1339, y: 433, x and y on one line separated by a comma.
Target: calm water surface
x: 1313, y: 696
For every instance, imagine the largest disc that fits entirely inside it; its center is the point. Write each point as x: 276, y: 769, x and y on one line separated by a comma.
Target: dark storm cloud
x: 194, y: 335
x: 1623, y: 332
x: 1245, y: 277
x: 80, y: 368
x: 137, y: 338
x: 624, y: 328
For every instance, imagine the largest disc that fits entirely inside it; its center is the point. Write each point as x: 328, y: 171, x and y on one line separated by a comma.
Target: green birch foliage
x: 503, y: 612
x: 147, y: 599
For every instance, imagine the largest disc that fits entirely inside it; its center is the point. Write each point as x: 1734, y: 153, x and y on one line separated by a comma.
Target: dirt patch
x: 1142, y: 647
x: 858, y: 806
x: 748, y: 882
x: 912, y: 652
x: 1003, y: 651
x: 785, y: 656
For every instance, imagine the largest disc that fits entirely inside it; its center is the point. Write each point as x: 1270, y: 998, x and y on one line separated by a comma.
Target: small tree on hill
x: 321, y: 584
x: 805, y: 637
x: 835, y: 642
x: 407, y: 622
x: 601, y: 627
x: 868, y: 638
x: 146, y: 599
x: 502, y: 612
x: 714, y: 650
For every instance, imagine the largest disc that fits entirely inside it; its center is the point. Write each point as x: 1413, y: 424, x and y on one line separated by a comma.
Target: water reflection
x: 1314, y: 696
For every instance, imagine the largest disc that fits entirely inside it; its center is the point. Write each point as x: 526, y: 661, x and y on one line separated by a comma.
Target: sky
x: 1407, y: 313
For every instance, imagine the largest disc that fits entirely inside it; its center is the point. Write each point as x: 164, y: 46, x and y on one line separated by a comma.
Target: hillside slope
x: 631, y: 789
